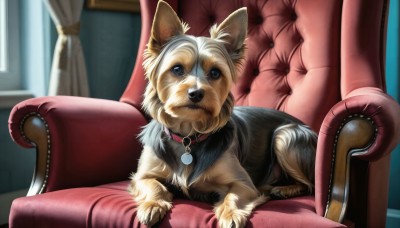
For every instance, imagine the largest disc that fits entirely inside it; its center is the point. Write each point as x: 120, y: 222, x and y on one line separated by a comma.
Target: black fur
x: 249, y: 133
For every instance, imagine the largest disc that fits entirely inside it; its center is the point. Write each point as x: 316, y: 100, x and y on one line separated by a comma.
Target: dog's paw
x: 277, y: 193
x: 285, y: 192
x: 229, y: 217
x: 150, y: 212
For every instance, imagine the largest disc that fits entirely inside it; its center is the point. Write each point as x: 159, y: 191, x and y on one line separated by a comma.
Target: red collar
x: 193, y: 139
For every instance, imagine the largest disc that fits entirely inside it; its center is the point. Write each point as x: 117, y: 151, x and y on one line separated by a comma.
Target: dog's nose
x: 195, y: 95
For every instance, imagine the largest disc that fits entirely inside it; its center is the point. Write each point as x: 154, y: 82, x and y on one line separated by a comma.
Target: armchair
x: 321, y: 61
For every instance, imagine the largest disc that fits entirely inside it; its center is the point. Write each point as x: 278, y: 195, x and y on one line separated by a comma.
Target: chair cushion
x: 111, y: 206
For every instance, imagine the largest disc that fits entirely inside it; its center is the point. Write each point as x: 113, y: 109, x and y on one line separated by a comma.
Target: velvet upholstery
x: 111, y: 206
x: 321, y: 61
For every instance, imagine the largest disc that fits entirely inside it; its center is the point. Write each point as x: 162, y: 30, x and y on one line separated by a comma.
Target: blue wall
x: 393, y: 85
x: 16, y: 163
x: 109, y: 40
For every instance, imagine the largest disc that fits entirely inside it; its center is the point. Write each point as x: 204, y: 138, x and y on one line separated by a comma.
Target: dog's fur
x: 249, y: 155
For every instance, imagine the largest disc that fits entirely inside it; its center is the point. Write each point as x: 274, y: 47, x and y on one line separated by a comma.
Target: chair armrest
x: 364, y: 125
x: 79, y: 141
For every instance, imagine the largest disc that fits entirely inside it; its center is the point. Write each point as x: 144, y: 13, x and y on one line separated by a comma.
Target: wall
x: 109, y: 40
x: 16, y: 168
x: 393, y: 85
x: 16, y: 163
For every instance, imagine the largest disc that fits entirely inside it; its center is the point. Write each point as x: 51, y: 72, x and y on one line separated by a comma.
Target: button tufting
x: 258, y: 20
x: 287, y: 70
x: 211, y: 19
x: 256, y: 72
x: 247, y: 90
x: 271, y: 44
x: 293, y: 16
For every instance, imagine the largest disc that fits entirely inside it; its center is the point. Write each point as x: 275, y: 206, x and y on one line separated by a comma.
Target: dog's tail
x: 295, y: 147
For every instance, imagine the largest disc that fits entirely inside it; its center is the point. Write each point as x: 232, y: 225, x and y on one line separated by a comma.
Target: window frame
x: 10, y: 77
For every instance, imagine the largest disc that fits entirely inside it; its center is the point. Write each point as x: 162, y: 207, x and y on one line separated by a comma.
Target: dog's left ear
x: 166, y: 24
x: 232, y: 31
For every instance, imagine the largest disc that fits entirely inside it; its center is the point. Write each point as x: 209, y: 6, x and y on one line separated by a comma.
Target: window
x: 3, y: 38
x: 9, y: 45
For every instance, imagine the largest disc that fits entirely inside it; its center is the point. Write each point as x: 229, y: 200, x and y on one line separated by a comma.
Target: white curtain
x: 68, y: 72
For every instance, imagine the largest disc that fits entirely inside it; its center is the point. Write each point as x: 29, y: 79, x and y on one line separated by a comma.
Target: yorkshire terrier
x: 200, y: 144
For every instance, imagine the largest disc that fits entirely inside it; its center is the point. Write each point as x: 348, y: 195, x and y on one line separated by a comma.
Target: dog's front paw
x: 230, y: 217
x: 150, y: 212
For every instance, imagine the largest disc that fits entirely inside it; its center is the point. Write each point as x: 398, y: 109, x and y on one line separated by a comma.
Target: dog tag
x: 187, y: 158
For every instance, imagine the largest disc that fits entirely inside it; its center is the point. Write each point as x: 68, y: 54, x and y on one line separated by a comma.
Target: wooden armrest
x: 354, y: 136
x: 35, y: 130
x: 79, y: 141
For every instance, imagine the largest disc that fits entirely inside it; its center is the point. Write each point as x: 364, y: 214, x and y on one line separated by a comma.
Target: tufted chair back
x: 303, y: 57
x: 293, y: 53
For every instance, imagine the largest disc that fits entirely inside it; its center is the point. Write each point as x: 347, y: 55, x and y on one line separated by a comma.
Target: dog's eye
x: 214, y: 74
x: 178, y: 70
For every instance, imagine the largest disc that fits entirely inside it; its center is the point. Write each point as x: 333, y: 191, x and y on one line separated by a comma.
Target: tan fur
x: 288, y: 157
x: 166, y: 100
x: 227, y: 176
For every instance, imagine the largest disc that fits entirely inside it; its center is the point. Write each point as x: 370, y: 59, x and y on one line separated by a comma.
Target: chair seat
x: 111, y: 206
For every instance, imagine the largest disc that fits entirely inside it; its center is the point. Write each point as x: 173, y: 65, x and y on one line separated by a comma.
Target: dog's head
x: 190, y: 77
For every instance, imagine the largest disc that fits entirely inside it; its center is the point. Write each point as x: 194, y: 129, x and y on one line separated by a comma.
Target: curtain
x: 68, y: 71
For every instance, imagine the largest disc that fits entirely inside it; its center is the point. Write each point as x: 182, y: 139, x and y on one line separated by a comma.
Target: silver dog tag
x: 187, y: 158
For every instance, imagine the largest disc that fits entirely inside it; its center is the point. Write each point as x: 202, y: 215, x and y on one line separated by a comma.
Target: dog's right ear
x: 232, y: 32
x: 166, y: 24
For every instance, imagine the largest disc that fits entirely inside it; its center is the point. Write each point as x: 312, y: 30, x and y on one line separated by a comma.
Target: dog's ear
x: 232, y: 31
x: 166, y: 24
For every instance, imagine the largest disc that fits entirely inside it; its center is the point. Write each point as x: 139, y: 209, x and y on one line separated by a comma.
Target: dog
x: 198, y: 144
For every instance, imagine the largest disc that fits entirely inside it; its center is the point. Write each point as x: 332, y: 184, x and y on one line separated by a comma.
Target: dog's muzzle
x: 195, y: 95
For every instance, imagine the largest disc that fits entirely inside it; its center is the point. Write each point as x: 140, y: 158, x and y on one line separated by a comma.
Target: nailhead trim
x: 345, y: 121
x: 48, y: 144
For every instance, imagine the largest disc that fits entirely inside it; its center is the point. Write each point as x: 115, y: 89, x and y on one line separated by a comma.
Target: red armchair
x: 321, y: 61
